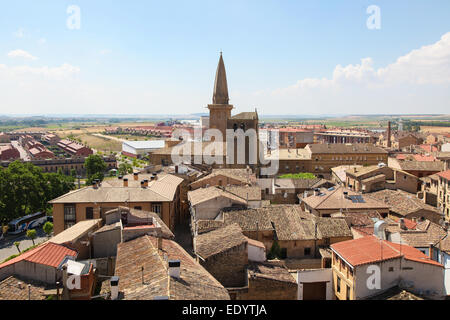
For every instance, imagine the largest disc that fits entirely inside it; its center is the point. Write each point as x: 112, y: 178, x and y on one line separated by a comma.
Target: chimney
x: 316, y: 192
x: 94, y: 184
x: 58, y: 296
x: 120, y: 177
x: 125, y: 182
x: 176, y: 169
x: 389, y: 134
x: 114, y: 281
x: 345, y: 194
x: 159, y: 243
x: 174, y: 268
x: 402, y: 224
x: 430, y: 251
x: 142, y: 184
x: 136, y: 176
x: 146, y: 183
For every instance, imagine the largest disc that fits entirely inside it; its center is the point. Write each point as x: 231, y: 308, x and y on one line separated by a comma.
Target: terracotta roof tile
x: 270, y: 271
x: 444, y: 174
x: 371, y: 249
x: 195, y: 282
x: 48, y: 253
x: 218, y: 241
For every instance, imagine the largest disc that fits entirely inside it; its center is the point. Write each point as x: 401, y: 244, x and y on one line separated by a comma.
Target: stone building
x: 405, y: 205
x: 224, y: 254
x: 328, y: 201
x: 374, y: 178
x: 443, y: 192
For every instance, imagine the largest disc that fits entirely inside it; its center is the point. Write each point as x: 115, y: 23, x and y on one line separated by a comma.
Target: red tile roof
x: 419, y: 157
x: 49, y: 254
x: 371, y: 249
x: 410, y: 224
x: 444, y: 174
x: 428, y: 148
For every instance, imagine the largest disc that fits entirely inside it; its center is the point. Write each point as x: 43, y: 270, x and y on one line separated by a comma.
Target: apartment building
x: 368, y: 266
x: 443, y: 193
x: 155, y: 193
x: 74, y: 148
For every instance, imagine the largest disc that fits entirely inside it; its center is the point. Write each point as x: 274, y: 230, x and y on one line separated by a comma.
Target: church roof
x: 220, y: 95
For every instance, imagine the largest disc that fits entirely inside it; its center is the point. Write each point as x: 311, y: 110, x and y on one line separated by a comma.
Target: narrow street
x: 23, y: 154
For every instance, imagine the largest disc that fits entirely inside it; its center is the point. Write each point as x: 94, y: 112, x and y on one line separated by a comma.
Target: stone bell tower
x: 220, y: 110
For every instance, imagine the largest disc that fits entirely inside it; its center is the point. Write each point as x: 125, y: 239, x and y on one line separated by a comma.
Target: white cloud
x: 28, y: 74
x: 21, y: 54
x: 20, y: 33
x: 418, y: 82
x: 105, y: 52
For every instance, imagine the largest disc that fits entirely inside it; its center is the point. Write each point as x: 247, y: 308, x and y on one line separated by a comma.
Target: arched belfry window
x: 235, y: 126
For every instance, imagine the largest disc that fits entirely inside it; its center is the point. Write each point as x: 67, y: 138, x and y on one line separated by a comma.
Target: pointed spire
x: 220, y: 95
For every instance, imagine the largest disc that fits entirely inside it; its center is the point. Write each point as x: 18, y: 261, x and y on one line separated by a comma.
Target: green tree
x: 17, y: 244
x: 32, y: 234
x: 73, y: 172
x: 25, y: 189
x: 93, y: 177
x: 95, y: 164
x: 275, y: 251
x: 48, y: 228
x: 125, y: 168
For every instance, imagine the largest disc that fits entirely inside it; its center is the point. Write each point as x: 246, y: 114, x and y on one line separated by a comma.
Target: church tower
x: 220, y: 110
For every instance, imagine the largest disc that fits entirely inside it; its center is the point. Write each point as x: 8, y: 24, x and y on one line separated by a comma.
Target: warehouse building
x: 138, y: 149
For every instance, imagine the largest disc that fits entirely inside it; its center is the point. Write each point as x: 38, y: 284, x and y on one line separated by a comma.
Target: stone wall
x: 267, y: 289
x: 229, y: 267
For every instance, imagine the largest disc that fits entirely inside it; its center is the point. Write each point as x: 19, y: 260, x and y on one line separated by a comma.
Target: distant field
x: 86, y: 137
x: 435, y: 129
x: 100, y: 144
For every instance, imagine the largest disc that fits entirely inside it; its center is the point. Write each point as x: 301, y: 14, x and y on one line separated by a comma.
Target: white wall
x: 315, y: 275
x: 256, y: 253
x: 444, y: 258
x: 129, y: 149
x: 421, y: 278
x: 445, y: 147
x: 209, y: 210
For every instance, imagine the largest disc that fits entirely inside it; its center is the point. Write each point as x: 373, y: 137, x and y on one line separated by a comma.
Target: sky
x: 293, y: 57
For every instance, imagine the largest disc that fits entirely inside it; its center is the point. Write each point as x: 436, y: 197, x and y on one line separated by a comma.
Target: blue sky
x: 153, y: 57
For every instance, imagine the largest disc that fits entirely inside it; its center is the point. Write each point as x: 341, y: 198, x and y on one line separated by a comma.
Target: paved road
x: 23, y: 154
x: 7, y: 247
x: 108, y: 137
